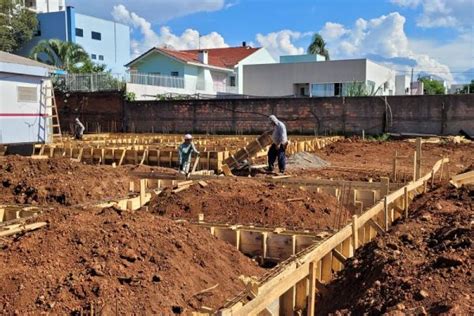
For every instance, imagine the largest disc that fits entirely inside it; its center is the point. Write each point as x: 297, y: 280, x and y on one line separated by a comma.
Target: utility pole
x: 411, y: 82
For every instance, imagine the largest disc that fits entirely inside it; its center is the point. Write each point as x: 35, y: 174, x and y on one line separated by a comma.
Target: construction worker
x: 185, y: 151
x: 78, y: 129
x: 278, y: 147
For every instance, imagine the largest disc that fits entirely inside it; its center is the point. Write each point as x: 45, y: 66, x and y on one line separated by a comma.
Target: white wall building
x: 45, y: 6
x: 24, y: 117
x: 318, y: 78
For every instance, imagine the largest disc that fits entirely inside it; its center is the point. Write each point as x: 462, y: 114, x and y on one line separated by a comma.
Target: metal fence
x: 89, y: 82
x: 156, y: 80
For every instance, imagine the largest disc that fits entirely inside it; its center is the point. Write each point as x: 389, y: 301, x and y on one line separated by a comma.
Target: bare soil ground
x: 58, y: 181
x: 422, y: 266
x: 354, y: 159
x: 122, y: 262
x: 252, y: 202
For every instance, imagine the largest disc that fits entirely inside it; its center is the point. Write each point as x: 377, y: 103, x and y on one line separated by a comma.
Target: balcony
x: 156, y: 80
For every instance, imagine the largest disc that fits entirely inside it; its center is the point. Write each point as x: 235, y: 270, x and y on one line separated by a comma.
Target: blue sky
x: 433, y: 36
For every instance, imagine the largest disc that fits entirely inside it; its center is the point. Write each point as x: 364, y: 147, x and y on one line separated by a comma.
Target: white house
x: 24, y: 116
x: 308, y: 75
x: 186, y: 72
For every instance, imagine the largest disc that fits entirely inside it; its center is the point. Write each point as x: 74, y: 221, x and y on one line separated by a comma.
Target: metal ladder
x: 54, y: 127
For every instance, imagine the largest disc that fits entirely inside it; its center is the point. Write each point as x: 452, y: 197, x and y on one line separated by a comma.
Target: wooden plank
x: 301, y: 295
x: 339, y: 256
x: 311, y: 307
x: 19, y: 228
x: 287, y: 302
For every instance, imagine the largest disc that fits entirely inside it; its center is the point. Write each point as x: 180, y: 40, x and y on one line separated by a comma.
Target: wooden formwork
x: 291, y: 286
x: 13, y: 217
x: 159, y: 154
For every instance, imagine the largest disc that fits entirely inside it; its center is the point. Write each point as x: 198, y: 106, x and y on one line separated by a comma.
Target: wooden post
x: 312, y: 289
x: 394, y: 167
x: 414, y: 166
x: 355, y: 233
x: 405, y: 201
x: 386, y: 213
x: 418, y: 158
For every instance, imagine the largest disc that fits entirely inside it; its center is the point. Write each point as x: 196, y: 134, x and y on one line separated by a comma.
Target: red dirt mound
x: 423, y: 266
x: 253, y: 202
x: 58, y: 180
x: 122, y: 262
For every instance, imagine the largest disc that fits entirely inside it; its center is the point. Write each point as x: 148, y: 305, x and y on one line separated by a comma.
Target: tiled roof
x: 218, y: 57
x: 15, y: 59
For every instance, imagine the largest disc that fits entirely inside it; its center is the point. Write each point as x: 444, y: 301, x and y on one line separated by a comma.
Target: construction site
x: 107, y: 226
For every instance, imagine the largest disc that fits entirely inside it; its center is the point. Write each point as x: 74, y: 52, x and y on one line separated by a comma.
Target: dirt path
x: 122, y: 262
x: 423, y: 266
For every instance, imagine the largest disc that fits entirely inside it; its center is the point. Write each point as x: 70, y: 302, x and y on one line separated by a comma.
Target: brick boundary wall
x: 443, y: 114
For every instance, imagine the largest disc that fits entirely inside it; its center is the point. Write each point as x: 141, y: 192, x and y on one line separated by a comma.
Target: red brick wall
x: 445, y: 114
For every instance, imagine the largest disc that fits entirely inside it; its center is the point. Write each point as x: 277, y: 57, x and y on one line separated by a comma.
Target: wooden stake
x: 405, y: 201
x: 386, y: 213
x: 355, y: 233
x: 418, y: 158
x: 312, y: 289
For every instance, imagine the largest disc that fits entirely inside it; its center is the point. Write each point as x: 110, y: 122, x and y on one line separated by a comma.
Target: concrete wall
x: 409, y: 114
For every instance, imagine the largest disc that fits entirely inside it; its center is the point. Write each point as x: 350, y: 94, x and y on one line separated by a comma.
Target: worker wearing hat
x: 78, y: 129
x: 185, y: 151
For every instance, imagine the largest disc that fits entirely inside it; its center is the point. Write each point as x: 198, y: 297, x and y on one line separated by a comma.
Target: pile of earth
x: 58, y: 180
x: 249, y: 201
x: 422, y: 266
x: 122, y: 263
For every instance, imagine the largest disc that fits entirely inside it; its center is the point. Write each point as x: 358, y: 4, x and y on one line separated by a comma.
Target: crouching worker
x: 278, y: 147
x: 78, y: 129
x: 185, y: 151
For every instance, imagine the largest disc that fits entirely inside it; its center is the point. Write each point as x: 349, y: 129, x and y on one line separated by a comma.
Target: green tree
x: 469, y: 88
x: 17, y: 25
x: 65, y: 55
x: 318, y: 46
x: 431, y: 86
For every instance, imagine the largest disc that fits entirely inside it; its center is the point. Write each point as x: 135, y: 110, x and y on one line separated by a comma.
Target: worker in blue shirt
x: 185, y: 151
x: 278, y: 147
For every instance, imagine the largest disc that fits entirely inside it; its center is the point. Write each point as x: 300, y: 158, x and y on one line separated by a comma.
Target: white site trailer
x: 25, y: 108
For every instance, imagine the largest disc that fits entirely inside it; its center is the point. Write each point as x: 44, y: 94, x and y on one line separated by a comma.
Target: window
x: 174, y: 74
x: 79, y: 32
x: 338, y: 89
x: 27, y: 94
x: 93, y: 56
x: 232, y: 81
x: 101, y: 57
x: 96, y: 35
x: 322, y: 90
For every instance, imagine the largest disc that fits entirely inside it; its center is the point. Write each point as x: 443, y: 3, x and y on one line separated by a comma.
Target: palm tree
x: 318, y: 46
x: 65, y: 55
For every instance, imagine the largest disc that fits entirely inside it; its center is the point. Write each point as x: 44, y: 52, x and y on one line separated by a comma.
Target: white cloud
x: 155, y: 11
x: 189, y: 39
x: 281, y: 42
x: 333, y: 30
x: 442, y: 13
x: 382, y: 37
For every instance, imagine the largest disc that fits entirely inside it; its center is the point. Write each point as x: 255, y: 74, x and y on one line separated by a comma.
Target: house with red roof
x: 215, y: 71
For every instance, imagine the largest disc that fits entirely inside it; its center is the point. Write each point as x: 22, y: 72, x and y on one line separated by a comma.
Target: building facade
x: 107, y: 42
x: 187, y: 72
x: 44, y: 6
x: 296, y: 76
x: 23, y: 106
